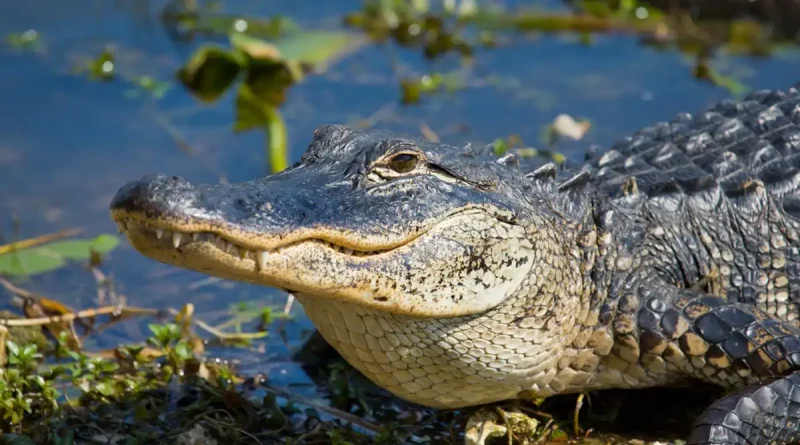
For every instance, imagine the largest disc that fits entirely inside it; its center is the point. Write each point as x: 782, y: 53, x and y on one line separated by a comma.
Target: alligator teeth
x: 121, y: 227
x: 176, y: 239
x: 260, y: 256
x: 261, y: 259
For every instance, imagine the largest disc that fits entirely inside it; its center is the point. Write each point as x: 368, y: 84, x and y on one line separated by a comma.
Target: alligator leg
x: 761, y: 413
x: 730, y: 344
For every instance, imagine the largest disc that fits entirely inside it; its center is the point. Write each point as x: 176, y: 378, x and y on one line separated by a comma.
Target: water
x: 68, y: 142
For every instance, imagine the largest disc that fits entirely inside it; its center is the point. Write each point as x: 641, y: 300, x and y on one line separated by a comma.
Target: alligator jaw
x: 200, y: 248
x: 314, y: 266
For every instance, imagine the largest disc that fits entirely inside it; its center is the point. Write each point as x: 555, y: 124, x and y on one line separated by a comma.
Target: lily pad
x: 51, y: 256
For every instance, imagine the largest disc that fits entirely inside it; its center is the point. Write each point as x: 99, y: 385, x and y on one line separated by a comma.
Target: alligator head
x: 375, y: 235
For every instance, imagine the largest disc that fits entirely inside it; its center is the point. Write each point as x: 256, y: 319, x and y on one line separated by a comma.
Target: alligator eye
x: 403, y: 162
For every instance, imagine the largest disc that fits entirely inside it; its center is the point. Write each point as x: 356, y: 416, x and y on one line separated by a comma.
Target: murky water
x: 68, y: 142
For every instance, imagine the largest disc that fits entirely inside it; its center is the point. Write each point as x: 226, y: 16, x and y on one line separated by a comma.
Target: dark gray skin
x: 678, y: 247
x: 328, y: 182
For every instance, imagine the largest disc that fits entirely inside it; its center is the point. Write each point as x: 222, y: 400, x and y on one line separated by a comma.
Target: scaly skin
x: 453, y: 278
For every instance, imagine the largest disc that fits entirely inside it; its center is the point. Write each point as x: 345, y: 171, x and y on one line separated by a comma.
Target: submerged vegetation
x: 59, y: 387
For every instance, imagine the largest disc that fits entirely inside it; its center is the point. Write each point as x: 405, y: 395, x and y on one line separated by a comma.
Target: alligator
x: 454, y: 277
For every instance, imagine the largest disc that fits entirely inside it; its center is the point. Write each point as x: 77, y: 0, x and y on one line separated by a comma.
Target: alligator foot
x: 764, y: 413
x: 730, y: 344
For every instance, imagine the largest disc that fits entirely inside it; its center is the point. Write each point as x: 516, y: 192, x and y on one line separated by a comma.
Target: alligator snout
x: 154, y: 193
x: 274, y: 205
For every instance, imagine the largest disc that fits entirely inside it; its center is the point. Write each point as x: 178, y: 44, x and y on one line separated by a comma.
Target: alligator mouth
x: 162, y: 238
x: 395, y: 274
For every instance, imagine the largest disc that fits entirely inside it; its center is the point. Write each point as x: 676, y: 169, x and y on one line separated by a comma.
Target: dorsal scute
x: 485, y: 150
x: 509, y: 160
x: 547, y: 172
x: 577, y: 181
x: 741, y: 146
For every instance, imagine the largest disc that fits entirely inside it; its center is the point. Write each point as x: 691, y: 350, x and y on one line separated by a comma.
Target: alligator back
x: 713, y: 195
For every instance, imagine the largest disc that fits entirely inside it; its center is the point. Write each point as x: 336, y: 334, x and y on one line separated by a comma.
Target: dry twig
x: 39, y: 240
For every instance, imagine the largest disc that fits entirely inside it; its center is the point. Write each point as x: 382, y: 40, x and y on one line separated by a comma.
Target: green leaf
x: 256, y: 49
x: 182, y: 351
x: 105, y: 388
x: 320, y: 48
x: 28, y: 351
x: 104, y: 243
x: 53, y: 255
x: 165, y: 333
x: 266, y: 315
x: 13, y: 348
x: 29, y: 262
x: 210, y: 72
x: 301, y: 53
x: 39, y: 380
x: 103, y: 67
